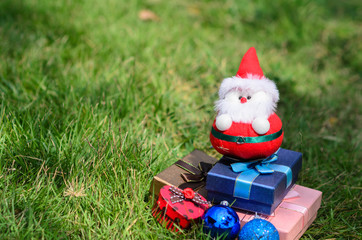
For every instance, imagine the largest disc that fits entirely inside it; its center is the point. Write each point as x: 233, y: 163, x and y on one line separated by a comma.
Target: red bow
x: 186, y: 194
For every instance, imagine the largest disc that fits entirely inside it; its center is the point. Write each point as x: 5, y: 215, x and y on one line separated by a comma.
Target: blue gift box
x: 260, y: 187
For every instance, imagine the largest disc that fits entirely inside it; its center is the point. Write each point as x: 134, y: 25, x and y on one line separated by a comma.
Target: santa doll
x: 246, y: 126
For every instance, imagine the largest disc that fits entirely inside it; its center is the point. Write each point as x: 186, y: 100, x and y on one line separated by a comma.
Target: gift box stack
x: 275, y: 197
x: 255, y: 175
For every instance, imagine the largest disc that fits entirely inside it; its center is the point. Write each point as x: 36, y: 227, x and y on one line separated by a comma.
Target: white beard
x: 260, y: 105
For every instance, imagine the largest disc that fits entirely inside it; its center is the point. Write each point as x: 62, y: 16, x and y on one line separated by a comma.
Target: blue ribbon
x: 251, y: 170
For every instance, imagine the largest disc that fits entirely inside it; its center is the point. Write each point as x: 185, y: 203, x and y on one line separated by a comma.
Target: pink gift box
x: 294, y: 215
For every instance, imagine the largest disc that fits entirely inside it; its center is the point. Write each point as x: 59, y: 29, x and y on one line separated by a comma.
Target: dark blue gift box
x: 264, y: 192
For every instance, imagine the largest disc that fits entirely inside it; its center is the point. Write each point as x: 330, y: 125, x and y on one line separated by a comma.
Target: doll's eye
x: 240, y: 97
x: 248, y: 97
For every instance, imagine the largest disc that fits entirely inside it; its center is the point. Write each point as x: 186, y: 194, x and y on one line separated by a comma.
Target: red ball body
x: 248, y: 151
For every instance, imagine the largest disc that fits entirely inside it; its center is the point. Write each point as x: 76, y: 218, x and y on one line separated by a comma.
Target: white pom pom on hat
x: 249, y: 76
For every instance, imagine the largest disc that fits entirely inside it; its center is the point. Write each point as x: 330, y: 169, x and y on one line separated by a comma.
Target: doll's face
x: 241, y: 97
x: 245, y: 105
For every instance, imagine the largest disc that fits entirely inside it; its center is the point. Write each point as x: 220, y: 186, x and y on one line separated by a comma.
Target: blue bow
x: 260, y: 165
x: 251, y: 170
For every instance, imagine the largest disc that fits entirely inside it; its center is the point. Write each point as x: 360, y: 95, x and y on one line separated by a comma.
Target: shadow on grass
x: 343, y: 9
x: 23, y: 25
x: 325, y: 130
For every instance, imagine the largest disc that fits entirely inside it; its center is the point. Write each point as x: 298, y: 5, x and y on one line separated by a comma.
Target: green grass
x: 95, y: 102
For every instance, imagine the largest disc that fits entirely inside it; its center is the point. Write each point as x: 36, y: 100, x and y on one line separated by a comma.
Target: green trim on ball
x: 241, y: 139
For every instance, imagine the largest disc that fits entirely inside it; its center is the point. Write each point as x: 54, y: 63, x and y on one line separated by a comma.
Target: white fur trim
x: 260, y: 105
x: 261, y: 125
x: 223, y: 122
x: 251, y: 83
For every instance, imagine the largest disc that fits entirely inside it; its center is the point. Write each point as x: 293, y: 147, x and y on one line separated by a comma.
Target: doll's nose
x: 243, y: 100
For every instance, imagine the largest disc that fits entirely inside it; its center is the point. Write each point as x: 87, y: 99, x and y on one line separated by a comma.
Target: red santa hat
x: 249, y: 77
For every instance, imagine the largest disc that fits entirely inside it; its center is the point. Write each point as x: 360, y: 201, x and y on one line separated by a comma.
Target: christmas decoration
x: 258, y: 229
x: 195, y: 177
x: 221, y: 220
x: 294, y: 215
x: 246, y: 125
x: 179, y: 207
x: 189, y: 172
x: 257, y: 186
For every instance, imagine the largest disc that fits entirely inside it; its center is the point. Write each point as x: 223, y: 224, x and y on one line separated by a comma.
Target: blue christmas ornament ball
x: 221, y: 220
x: 258, y: 229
